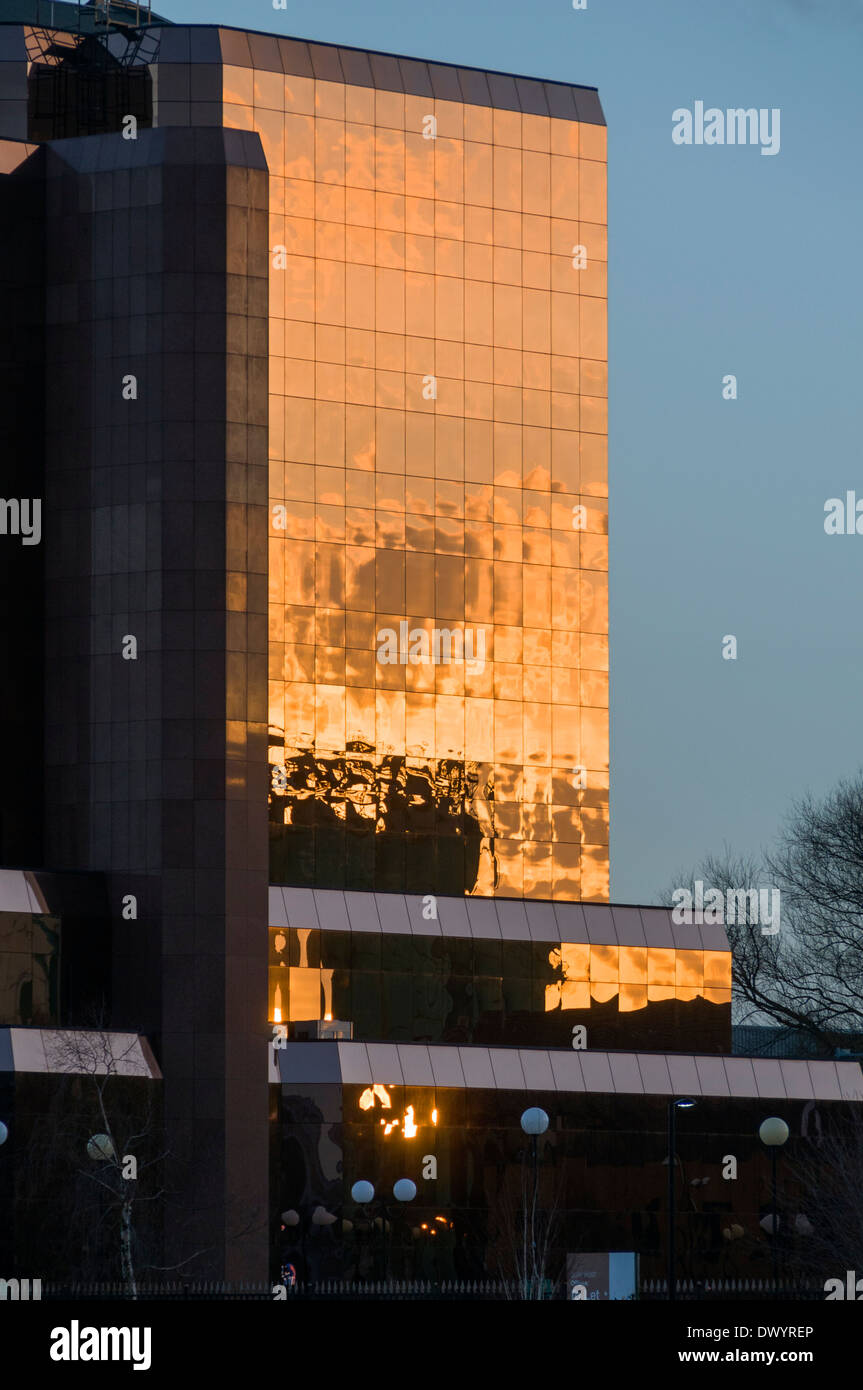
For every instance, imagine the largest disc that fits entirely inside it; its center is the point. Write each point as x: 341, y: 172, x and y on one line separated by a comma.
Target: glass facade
x: 29, y: 969
x: 409, y: 302
x: 54, y: 1219
x: 454, y: 990
x: 602, y: 1181
x: 438, y: 521
x: 77, y: 86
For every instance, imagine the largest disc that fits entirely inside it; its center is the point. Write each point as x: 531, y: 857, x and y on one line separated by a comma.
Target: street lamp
x: 4, y: 1133
x: 292, y: 1221
x: 534, y: 1122
x: 679, y: 1103
x: 773, y: 1133
x: 363, y: 1193
x: 404, y: 1191
x: 100, y: 1148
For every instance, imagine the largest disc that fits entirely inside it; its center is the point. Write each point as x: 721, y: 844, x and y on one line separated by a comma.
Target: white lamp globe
x: 773, y: 1132
x: 4, y: 1133
x: 404, y: 1190
x: 100, y: 1148
x: 534, y: 1121
x: 362, y: 1193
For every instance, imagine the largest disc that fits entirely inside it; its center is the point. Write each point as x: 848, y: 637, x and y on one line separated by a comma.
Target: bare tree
x: 93, y: 1195
x: 101, y: 1136
x: 114, y: 1164
x: 809, y: 976
x: 828, y: 1169
x: 525, y: 1225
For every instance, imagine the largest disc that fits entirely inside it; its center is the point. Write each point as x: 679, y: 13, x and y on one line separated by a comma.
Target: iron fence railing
x: 455, y: 1290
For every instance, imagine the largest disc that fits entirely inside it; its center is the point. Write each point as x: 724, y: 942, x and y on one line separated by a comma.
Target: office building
x: 305, y: 350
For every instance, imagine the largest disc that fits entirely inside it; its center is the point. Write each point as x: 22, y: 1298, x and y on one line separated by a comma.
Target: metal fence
x: 482, y: 1290
x: 742, y: 1290
x: 372, y: 1290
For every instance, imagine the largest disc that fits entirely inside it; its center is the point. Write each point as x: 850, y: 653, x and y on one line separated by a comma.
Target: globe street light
x: 4, y: 1133
x: 292, y: 1221
x: 404, y: 1191
x: 534, y: 1122
x: 679, y: 1103
x: 363, y: 1193
x: 773, y: 1133
x: 100, y: 1148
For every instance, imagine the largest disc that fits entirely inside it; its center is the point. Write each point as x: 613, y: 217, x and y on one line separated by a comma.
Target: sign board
x: 607, y: 1274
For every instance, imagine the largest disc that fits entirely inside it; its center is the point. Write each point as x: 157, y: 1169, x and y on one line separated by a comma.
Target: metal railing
x: 454, y: 1290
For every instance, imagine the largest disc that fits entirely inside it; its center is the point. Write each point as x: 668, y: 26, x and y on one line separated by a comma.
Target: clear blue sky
x: 721, y: 261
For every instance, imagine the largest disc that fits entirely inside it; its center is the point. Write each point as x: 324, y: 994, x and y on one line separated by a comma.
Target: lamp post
x: 679, y: 1103
x: 534, y: 1122
x: 320, y: 1219
x: 100, y: 1148
x: 773, y: 1134
x: 291, y: 1222
x: 404, y: 1191
x: 363, y: 1193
